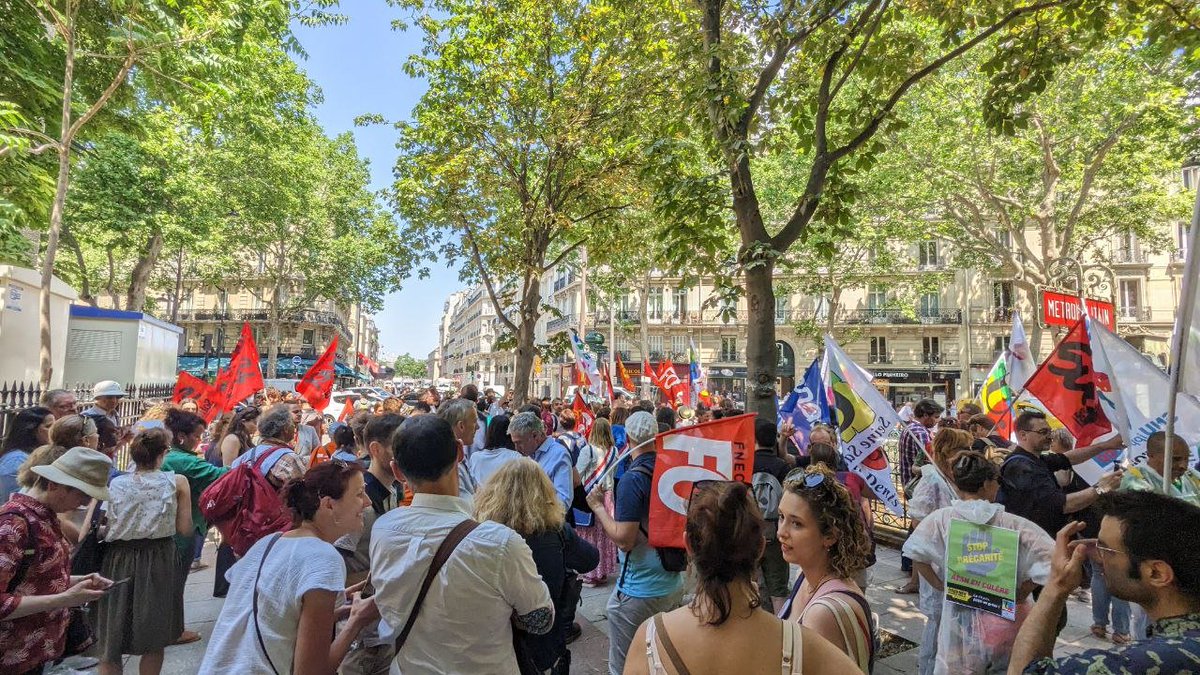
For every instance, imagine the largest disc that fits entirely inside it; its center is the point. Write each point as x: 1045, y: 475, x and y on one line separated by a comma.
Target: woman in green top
x: 186, y: 430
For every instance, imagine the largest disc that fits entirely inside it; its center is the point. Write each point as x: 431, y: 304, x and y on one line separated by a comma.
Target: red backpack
x: 244, y: 506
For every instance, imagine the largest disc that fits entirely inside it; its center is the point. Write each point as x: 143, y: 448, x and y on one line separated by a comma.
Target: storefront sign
x: 1061, y: 309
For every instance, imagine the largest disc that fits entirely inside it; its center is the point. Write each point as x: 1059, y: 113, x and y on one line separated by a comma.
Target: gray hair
x: 52, y: 394
x: 526, y: 423
x: 457, y: 410
x: 276, y: 420
x: 1063, y: 438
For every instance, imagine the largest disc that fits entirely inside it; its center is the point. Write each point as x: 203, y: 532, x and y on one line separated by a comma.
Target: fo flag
x: 671, y: 384
x: 864, y: 420
x: 718, y: 450
x: 317, y: 383
x: 584, y: 417
x: 243, y: 378
x: 1066, y: 384
x: 209, y: 401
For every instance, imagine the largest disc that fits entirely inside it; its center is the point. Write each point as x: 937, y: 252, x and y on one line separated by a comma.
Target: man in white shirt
x: 489, y: 583
x: 459, y: 413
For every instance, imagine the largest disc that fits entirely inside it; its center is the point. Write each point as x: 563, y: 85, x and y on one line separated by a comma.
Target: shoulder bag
x: 444, y: 551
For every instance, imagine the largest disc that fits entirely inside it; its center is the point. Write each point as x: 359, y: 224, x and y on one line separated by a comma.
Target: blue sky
x: 358, y: 67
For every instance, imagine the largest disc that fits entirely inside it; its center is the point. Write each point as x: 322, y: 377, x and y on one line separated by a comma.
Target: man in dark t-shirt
x: 768, y: 462
x: 1027, y: 485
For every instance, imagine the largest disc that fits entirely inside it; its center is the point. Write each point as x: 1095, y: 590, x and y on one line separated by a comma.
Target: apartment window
x: 654, y: 304
x: 879, y: 350
x: 931, y: 350
x: 1191, y: 175
x: 679, y: 302
x: 1005, y: 239
x: 1181, y: 239
x: 310, y: 337
x: 876, y: 296
x: 729, y: 349
x: 930, y: 305
x: 206, y: 342
x: 1127, y: 247
x: 999, y: 344
x: 1131, y: 298
x: 927, y: 253
x: 679, y: 346
x: 1002, y: 294
x: 655, y: 344
x: 821, y: 309
x: 222, y: 301
x: 782, y: 309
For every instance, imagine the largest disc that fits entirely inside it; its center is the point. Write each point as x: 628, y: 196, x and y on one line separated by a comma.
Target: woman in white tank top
x: 724, y: 630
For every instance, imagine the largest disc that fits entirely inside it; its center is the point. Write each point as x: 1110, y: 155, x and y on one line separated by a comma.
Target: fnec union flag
x: 718, y: 450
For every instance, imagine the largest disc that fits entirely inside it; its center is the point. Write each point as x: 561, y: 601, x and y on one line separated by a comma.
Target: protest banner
x: 1066, y: 384
x: 719, y: 450
x: 981, y: 567
x: 864, y: 420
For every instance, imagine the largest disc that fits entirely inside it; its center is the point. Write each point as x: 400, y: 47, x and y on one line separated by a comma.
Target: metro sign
x: 1061, y: 309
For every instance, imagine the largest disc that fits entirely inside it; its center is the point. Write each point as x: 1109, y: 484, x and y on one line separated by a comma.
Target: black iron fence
x: 883, y: 516
x: 16, y: 396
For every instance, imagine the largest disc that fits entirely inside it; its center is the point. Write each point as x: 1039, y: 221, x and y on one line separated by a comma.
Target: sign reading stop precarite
x: 1061, y: 309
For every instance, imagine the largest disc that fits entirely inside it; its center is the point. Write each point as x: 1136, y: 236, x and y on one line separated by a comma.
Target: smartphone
x: 118, y: 583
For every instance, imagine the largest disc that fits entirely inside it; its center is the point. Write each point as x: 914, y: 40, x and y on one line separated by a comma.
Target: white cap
x: 108, y: 388
x: 641, y: 426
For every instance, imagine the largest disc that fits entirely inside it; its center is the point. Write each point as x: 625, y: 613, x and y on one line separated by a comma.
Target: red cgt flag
x: 719, y: 450
x: 626, y: 381
x: 208, y: 398
x: 317, y: 383
x: 584, y: 417
x: 244, y: 377
x: 1066, y: 384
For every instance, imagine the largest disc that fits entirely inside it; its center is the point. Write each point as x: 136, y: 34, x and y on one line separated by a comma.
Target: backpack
x: 1001, y: 497
x: 672, y: 559
x: 768, y: 493
x: 244, y: 506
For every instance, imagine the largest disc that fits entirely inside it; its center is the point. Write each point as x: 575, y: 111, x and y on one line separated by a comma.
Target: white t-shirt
x: 296, y: 565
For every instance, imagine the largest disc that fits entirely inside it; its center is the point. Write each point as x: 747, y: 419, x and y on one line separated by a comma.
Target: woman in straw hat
x: 36, y: 586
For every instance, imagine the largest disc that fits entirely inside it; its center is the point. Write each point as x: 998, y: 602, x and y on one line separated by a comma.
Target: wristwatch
x: 1099, y: 490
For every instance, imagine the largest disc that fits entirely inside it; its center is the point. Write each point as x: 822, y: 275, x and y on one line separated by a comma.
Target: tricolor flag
x: 586, y: 364
x: 864, y: 420
x: 696, y: 375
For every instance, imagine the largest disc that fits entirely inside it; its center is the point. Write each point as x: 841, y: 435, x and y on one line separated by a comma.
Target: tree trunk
x: 178, y: 294
x: 528, y: 312
x: 85, y: 286
x: 46, y: 361
x: 761, y: 360
x: 139, y: 278
x: 274, y: 319
x: 835, y: 303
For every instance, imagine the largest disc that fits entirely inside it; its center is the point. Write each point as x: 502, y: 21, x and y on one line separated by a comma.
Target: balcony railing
x: 1134, y: 314
x: 1000, y: 314
x: 936, y: 359
x: 1179, y: 256
x: 901, y: 316
x: 559, y: 323
x: 262, y: 316
x: 879, y: 358
x: 1130, y: 257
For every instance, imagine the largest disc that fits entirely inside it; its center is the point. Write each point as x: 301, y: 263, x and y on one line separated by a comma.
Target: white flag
x: 1019, y: 358
x: 864, y: 420
x: 1133, y: 393
x: 587, y: 363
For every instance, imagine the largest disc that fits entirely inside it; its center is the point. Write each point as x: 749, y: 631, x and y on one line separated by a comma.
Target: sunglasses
x: 804, y: 479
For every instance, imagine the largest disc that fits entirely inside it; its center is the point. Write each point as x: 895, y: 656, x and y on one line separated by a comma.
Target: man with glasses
x: 1027, y: 485
x: 1147, y: 547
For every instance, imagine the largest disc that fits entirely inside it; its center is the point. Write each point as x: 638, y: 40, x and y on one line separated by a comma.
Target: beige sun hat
x: 81, y: 468
x: 108, y: 388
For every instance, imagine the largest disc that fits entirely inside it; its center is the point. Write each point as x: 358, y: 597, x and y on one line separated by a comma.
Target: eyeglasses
x: 1104, y: 551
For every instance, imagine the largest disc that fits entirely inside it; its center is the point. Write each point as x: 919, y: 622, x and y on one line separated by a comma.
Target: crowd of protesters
x: 453, y: 534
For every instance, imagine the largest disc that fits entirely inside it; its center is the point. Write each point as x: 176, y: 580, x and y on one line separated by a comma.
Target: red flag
x: 626, y: 381
x: 674, y: 388
x: 584, y: 417
x: 317, y: 383
x: 1066, y: 384
x: 370, y: 363
x: 719, y: 450
x: 244, y: 376
x: 208, y: 398
x: 604, y: 375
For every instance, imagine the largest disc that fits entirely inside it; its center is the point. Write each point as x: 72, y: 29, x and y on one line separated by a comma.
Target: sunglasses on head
x: 803, y: 478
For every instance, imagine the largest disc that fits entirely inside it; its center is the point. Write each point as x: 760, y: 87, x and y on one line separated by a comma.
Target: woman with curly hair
x: 821, y: 531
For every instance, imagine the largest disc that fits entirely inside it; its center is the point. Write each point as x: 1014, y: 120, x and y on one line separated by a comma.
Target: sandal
x: 908, y: 588
x: 187, y: 637
x: 1101, y: 632
x: 1122, y: 638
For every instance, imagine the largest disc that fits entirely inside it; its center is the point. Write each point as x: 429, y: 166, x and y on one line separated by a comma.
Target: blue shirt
x: 484, y: 463
x: 9, y: 464
x: 642, y: 574
x: 556, y: 462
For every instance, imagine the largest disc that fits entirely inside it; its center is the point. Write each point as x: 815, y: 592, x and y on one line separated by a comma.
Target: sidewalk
x: 898, y: 615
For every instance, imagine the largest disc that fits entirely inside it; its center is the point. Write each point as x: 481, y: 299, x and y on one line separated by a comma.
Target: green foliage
x: 408, y: 365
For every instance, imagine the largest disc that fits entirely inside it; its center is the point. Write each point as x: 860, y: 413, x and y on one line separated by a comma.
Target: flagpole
x: 1183, y: 326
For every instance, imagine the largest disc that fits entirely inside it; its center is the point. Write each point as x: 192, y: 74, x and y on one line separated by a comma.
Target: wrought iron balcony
x: 902, y: 316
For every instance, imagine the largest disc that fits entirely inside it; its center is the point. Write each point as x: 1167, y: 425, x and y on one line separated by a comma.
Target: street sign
x: 1061, y: 309
x: 594, y: 338
x: 296, y: 361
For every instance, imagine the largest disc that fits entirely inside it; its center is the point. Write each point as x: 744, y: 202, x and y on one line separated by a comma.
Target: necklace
x: 813, y: 593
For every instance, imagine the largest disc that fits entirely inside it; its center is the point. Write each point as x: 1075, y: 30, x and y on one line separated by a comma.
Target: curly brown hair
x: 837, y: 516
x: 948, y: 443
